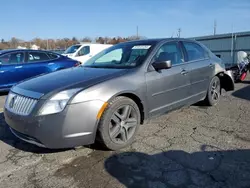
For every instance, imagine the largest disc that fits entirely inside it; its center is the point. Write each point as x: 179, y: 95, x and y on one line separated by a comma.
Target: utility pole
x: 179, y: 32
x: 137, y: 32
x: 215, y: 27
x: 232, y: 43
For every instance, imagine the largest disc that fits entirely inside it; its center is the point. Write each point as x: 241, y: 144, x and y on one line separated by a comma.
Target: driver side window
x: 12, y: 58
x: 169, y: 51
x: 84, y: 51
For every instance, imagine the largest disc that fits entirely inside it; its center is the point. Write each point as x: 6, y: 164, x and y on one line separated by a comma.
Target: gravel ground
x: 192, y: 147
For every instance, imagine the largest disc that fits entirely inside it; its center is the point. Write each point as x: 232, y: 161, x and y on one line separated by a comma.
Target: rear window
x: 37, y: 56
x: 52, y: 55
x: 194, y: 51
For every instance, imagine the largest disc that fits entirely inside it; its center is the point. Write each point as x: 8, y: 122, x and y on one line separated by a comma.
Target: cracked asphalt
x: 193, y: 147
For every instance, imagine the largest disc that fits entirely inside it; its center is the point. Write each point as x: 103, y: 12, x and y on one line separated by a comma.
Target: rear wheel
x: 214, y: 92
x: 119, y: 123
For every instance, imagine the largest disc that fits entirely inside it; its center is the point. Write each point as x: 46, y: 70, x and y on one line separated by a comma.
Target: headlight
x: 58, y: 102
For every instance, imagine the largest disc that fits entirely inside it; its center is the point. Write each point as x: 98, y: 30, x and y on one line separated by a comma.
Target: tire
x: 117, y: 128
x: 213, y: 92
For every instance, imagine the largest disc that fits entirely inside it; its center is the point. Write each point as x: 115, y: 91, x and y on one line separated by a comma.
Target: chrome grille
x: 19, y: 104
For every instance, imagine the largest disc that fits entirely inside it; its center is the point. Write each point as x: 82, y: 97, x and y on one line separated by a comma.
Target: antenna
x: 215, y: 27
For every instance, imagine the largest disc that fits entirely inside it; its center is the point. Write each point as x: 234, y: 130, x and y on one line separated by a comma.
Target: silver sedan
x: 112, y: 94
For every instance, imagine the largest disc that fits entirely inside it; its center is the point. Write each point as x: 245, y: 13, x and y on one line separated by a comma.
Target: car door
x: 169, y: 88
x: 36, y: 63
x: 201, y: 68
x: 83, y: 54
x: 10, y: 68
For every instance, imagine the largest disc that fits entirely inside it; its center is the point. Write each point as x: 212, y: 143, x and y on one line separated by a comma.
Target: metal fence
x: 227, y: 45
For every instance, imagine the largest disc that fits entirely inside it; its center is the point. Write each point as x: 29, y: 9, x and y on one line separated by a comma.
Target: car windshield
x: 124, y: 55
x: 72, y: 49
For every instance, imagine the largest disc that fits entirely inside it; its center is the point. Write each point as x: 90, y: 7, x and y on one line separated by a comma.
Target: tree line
x: 52, y: 44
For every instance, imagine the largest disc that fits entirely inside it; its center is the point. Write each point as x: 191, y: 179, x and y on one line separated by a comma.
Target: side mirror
x: 162, y: 65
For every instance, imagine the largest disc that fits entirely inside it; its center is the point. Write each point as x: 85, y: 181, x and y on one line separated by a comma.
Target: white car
x: 83, y: 52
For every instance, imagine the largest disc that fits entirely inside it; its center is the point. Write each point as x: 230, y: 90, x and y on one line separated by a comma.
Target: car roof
x: 142, y: 41
x: 157, y: 40
x: 91, y: 44
x: 23, y: 50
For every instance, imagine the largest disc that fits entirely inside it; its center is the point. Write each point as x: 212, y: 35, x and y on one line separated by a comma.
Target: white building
x: 35, y: 47
x: 21, y: 47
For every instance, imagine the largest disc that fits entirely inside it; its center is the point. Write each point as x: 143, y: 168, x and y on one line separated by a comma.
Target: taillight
x: 77, y: 64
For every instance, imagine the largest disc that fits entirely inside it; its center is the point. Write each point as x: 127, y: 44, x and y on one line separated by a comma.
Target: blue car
x: 17, y: 65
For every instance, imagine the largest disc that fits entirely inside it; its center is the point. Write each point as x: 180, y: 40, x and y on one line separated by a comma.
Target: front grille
x: 19, y: 104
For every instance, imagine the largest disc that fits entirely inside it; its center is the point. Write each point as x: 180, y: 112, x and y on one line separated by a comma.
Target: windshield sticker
x: 142, y: 47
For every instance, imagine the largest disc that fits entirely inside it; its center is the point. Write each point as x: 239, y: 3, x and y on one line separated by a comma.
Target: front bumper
x: 75, y: 126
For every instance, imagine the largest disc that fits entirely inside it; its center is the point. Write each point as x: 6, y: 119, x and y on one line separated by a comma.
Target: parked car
x: 107, y: 99
x: 17, y: 65
x: 83, y: 52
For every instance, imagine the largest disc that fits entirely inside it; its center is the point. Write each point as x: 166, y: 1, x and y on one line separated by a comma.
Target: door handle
x: 18, y: 67
x: 184, y: 72
x: 211, y: 65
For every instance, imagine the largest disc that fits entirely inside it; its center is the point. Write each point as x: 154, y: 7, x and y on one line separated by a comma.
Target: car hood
x: 78, y: 77
x: 68, y: 54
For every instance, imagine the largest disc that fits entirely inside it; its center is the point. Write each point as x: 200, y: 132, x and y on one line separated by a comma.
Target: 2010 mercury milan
x: 107, y: 98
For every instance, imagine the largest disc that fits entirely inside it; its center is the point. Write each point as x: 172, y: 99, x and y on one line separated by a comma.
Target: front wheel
x: 119, y: 123
x: 213, y: 92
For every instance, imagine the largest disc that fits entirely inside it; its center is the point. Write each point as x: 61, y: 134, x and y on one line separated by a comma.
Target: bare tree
x: 100, y: 40
x: 74, y: 40
x: 13, y: 42
x: 86, y: 39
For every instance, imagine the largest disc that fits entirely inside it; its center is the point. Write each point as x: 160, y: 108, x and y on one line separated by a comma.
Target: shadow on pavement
x: 3, y: 93
x: 246, y: 82
x: 7, y: 137
x: 243, y: 93
x: 224, y: 169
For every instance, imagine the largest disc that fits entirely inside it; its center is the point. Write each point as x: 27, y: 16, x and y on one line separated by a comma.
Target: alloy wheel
x: 215, y: 90
x: 123, y: 124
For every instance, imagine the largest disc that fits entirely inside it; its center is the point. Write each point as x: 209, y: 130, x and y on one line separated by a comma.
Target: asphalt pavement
x: 193, y: 147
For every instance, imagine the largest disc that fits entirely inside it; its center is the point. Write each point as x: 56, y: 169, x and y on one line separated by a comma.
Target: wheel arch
x: 227, y: 82
x: 136, y: 99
